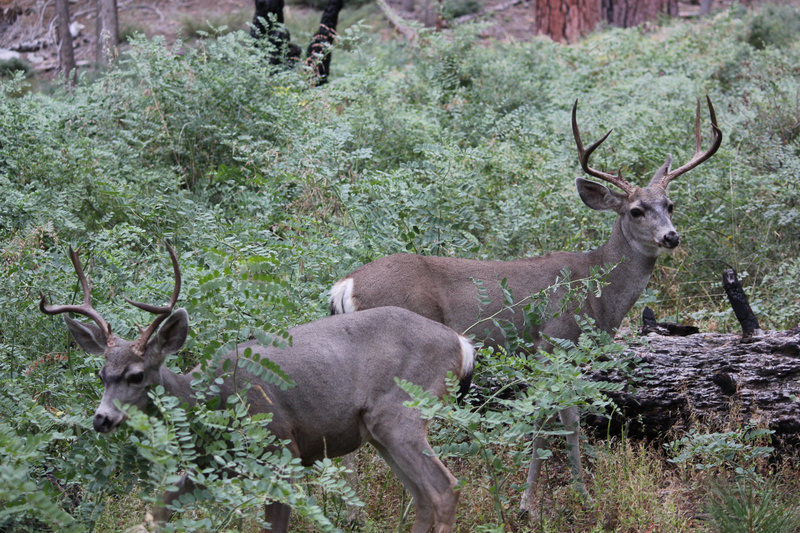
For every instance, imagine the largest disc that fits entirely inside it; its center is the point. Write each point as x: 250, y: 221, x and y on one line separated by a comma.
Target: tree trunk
x: 715, y: 378
x: 66, y: 54
x: 630, y: 13
x: 318, y: 55
x: 566, y: 20
x: 107, y: 31
x: 428, y: 14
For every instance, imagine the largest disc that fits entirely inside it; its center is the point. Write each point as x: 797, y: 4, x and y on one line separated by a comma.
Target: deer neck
x: 634, y: 266
x: 178, y: 385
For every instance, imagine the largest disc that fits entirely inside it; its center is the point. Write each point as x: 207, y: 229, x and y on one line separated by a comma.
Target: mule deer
x: 444, y: 288
x: 344, y: 368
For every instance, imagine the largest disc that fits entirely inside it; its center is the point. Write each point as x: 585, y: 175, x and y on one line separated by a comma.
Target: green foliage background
x: 271, y: 190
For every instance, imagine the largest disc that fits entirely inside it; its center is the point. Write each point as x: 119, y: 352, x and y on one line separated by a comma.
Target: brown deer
x: 444, y: 288
x: 344, y: 368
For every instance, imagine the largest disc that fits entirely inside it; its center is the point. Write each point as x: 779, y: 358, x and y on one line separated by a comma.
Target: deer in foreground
x: 344, y: 368
x: 444, y: 288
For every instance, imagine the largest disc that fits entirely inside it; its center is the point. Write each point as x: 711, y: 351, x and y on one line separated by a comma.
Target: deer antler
x: 162, y: 312
x: 85, y: 308
x: 583, y: 156
x: 699, y: 155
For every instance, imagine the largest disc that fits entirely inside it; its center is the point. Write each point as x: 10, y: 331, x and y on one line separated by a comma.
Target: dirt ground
x: 28, y: 27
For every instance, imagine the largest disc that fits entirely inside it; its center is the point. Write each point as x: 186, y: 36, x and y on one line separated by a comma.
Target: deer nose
x: 672, y: 239
x: 101, y: 423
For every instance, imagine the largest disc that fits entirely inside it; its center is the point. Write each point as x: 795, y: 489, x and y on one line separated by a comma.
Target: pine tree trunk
x: 107, y: 31
x: 630, y: 13
x: 66, y: 54
x: 566, y: 21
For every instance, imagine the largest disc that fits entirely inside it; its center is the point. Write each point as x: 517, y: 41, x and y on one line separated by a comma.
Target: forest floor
x: 28, y: 28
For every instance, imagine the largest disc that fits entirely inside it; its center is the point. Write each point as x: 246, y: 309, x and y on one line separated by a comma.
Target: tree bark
x: 565, y: 21
x: 630, y: 13
x: 714, y: 378
x: 66, y: 53
x: 318, y: 55
x: 107, y: 31
x: 739, y: 303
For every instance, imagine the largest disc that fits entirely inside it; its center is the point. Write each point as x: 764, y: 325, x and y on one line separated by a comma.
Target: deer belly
x: 317, y: 441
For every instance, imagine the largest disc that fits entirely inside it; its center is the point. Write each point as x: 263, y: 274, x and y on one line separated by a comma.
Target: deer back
x: 344, y: 368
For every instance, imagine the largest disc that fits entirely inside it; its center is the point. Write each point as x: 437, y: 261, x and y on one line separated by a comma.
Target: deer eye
x: 670, y: 208
x: 136, y: 377
x: 637, y: 213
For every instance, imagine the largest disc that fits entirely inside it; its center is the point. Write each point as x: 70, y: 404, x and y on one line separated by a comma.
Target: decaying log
x: 397, y: 21
x: 650, y: 325
x: 710, y: 377
x: 741, y: 307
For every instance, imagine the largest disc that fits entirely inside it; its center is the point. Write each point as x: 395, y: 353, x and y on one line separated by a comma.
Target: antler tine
x: 699, y: 155
x: 163, y: 312
x: 583, y: 156
x: 85, y: 308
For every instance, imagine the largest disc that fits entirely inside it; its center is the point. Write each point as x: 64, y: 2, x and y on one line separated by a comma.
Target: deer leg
x: 526, y: 504
x: 570, y: 417
x: 277, y: 514
x: 162, y: 512
x: 405, y: 448
x: 354, y: 512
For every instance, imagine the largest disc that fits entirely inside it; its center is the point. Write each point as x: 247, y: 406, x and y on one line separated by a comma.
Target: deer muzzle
x: 107, y: 420
x: 671, y: 240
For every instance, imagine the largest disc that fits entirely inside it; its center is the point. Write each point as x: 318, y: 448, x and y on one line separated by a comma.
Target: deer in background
x: 444, y: 288
x: 344, y: 368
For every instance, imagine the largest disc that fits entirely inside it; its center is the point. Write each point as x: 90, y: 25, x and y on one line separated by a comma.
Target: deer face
x: 648, y: 220
x: 126, y: 375
x: 125, y: 378
x: 130, y: 366
x: 645, y: 214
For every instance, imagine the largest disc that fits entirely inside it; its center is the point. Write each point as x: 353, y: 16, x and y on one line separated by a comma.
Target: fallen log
x: 407, y: 30
x: 709, y: 378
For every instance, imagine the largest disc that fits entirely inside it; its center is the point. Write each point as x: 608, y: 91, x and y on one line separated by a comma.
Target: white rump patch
x: 467, y: 356
x: 342, y: 297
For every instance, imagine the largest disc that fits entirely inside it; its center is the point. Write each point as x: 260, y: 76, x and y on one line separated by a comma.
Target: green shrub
x: 9, y: 67
x: 214, y: 26
x: 748, y: 505
x: 777, y: 26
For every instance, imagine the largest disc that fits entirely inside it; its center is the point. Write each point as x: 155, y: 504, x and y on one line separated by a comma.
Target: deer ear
x: 170, y: 336
x: 599, y: 197
x: 89, y: 336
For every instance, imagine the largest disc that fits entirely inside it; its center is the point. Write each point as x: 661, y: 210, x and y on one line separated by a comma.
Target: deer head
x: 645, y: 212
x: 130, y: 366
